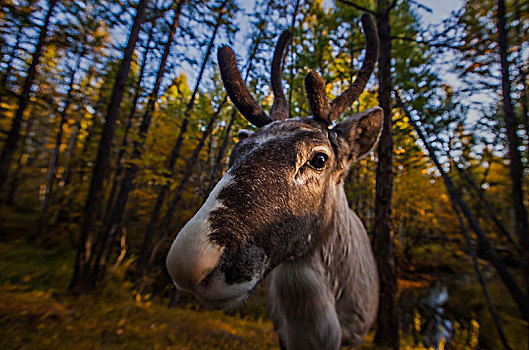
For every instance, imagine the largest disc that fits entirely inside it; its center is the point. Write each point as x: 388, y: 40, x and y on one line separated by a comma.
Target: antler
x: 315, y: 86
x: 317, y: 96
x: 239, y: 93
x: 237, y: 90
x: 279, y: 109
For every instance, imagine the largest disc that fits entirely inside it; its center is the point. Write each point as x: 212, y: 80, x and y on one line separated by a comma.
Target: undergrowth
x: 36, y: 312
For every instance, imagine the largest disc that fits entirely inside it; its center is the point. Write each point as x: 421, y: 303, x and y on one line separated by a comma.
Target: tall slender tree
x: 220, y: 154
x: 119, y: 163
x: 160, y: 199
x: 481, y: 279
x: 81, y: 278
x: 115, y: 217
x: 516, y: 166
x: 387, y: 334
x: 13, y: 136
x: 58, y: 141
x: 457, y: 202
x: 177, y: 195
x: 9, y: 66
x: 258, y: 39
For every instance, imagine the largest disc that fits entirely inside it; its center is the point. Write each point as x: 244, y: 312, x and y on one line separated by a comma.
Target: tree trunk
x: 4, y: 91
x: 292, y: 62
x: 481, y: 279
x: 516, y: 166
x: 387, y: 334
x: 155, y: 216
x: 81, y: 275
x: 522, y: 65
x: 220, y: 155
x: 255, y: 43
x: 119, y: 165
x: 499, y: 224
x: 518, y: 296
x: 166, y: 222
x: 58, y: 141
x: 67, y: 169
x: 225, y: 142
x: 72, y: 180
x: 14, y: 134
x: 115, y: 217
x: 13, y: 183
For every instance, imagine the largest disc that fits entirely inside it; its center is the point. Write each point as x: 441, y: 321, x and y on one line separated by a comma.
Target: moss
x: 40, y: 320
x: 37, y: 313
x: 34, y: 268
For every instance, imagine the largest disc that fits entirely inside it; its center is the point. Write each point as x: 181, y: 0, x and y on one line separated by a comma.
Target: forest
x: 115, y: 126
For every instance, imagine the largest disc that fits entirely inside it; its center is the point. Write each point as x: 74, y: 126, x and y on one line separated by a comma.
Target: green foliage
x: 23, y: 267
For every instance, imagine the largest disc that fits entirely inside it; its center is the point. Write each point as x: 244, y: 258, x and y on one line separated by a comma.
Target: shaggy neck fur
x: 332, y: 290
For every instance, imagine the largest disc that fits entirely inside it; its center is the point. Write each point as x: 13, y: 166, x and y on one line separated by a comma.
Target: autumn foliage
x: 115, y: 126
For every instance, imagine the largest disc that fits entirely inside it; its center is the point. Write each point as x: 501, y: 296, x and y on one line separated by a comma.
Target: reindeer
x: 281, y: 211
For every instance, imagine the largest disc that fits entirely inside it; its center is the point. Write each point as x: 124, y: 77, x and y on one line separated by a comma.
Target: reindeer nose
x: 192, y: 256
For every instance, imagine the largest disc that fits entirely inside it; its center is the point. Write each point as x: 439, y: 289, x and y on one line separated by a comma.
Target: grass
x: 37, y: 313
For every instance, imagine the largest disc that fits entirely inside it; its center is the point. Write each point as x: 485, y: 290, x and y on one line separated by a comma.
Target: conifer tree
x: 13, y: 136
x: 82, y: 278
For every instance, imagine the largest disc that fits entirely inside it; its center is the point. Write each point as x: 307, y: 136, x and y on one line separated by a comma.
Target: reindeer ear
x: 359, y: 134
x: 244, y: 134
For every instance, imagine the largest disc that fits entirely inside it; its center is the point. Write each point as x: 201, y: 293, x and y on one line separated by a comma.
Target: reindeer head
x: 276, y: 202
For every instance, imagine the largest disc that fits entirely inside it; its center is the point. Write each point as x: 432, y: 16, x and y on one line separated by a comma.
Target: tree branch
x: 428, y: 43
x: 358, y: 7
x: 390, y: 7
x: 421, y: 6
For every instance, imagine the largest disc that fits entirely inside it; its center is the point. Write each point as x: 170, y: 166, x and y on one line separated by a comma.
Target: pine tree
x: 14, y: 134
x: 82, y: 278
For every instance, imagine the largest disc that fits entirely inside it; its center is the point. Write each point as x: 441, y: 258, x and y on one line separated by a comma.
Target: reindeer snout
x: 192, y: 257
x: 196, y: 265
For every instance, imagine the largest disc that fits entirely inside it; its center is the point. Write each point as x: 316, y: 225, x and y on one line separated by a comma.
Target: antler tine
x: 237, y: 90
x: 346, y: 99
x: 280, y: 107
x: 317, y: 96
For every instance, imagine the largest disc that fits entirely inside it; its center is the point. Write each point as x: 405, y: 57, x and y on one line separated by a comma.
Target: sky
x: 440, y: 9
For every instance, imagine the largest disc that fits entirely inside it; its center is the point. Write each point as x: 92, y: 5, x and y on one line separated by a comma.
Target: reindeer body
x: 281, y: 210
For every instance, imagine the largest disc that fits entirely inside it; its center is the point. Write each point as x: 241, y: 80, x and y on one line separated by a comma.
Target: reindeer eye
x: 318, y: 161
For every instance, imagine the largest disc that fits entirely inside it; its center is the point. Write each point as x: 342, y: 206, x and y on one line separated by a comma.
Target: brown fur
x: 278, y: 214
x: 281, y: 210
